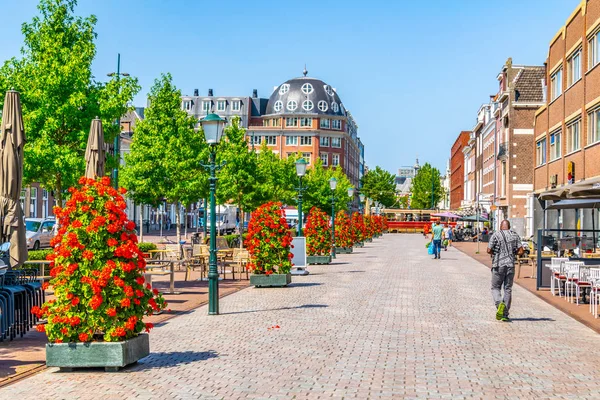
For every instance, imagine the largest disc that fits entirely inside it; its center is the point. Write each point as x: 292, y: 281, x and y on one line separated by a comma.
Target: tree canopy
x: 59, y: 94
x: 426, y: 182
x: 379, y: 185
x: 318, y: 192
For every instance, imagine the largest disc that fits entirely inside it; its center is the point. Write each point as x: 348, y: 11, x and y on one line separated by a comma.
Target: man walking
x: 504, y: 246
x: 437, y: 235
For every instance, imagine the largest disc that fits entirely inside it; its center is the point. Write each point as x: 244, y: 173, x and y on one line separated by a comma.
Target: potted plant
x: 101, y: 298
x: 343, y: 234
x: 369, y: 228
x: 359, y: 229
x: 269, y: 242
x: 378, y: 225
x: 318, y: 237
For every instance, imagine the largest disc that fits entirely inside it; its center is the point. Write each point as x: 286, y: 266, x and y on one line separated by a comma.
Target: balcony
x: 503, y: 151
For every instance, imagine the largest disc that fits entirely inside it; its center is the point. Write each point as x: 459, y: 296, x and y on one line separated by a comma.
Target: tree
x: 379, y: 185
x: 278, y: 178
x: 166, y: 153
x: 60, y: 96
x: 318, y: 192
x: 426, y: 191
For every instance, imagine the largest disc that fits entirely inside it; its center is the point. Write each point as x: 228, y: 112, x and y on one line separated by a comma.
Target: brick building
x: 567, y: 127
x: 457, y: 170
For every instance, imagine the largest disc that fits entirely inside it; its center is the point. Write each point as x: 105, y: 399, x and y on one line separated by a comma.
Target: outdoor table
x: 42, y: 263
x: 157, y: 253
x: 155, y: 263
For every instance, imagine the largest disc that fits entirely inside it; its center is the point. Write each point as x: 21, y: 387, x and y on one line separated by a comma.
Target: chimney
x: 195, y: 92
x: 210, y: 93
x: 254, y: 93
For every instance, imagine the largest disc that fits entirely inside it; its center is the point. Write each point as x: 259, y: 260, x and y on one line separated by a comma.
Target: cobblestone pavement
x: 384, y: 322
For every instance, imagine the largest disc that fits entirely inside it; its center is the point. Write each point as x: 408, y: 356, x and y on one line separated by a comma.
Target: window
x: 328, y: 90
x: 33, y: 202
x: 334, y: 106
x: 555, y: 145
x: 540, y: 151
x: 305, y: 140
x: 291, y: 121
x: 594, y: 50
x: 335, y: 160
x: 336, y: 124
x: 336, y: 142
x: 278, y: 106
x: 307, y: 157
x: 323, y: 105
x: 324, y: 141
x: 325, y: 159
x: 573, y: 136
x: 221, y: 105
x: 235, y: 105
x: 556, y: 84
x: 275, y: 122
x: 257, y: 139
x: 291, y: 140
x: 44, y: 203
x: 306, y: 122
x: 271, y: 140
x: 574, y: 68
x: 206, y: 105
x: 187, y: 105
x: 594, y: 126
x: 308, y: 105
x: 284, y: 88
x: 265, y: 122
x: 292, y: 105
x: 325, y: 123
x: 307, y: 88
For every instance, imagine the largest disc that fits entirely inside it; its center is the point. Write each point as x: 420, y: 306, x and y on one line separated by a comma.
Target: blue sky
x: 412, y: 73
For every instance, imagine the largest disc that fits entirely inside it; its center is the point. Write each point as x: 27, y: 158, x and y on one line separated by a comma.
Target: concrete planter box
x: 359, y: 244
x: 273, y: 280
x: 110, y: 355
x: 343, y: 250
x: 318, y: 259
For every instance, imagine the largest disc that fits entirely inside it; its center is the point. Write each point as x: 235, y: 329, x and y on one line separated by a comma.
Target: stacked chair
x: 20, y: 290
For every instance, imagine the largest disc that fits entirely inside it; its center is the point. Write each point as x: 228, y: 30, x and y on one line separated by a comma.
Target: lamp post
x: 117, y: 142
x: 361, y: 197
x: 213, y: 125
x: 300, y: 171
x: 351, y: 195
x: 332, y: 186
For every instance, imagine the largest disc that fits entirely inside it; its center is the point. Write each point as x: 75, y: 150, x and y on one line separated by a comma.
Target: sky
x: 412, y: 73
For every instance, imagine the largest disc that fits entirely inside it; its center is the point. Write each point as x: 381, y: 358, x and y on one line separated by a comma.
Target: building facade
x: 457, y: 170
x: 567, y: 126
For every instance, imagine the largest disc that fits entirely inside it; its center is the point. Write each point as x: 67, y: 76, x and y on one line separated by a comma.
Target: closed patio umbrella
x: 12, y: 140
x: 94, y: 151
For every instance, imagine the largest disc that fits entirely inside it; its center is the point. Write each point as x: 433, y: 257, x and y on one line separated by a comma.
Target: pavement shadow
x: 278, y: 309
x: 354, y: 272
x: 531, y: 319
x: 171, y: 359
x: 304, y: 284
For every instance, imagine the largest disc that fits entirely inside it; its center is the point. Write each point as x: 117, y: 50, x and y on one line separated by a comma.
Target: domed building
x: 303, y: 115
x: 306, y: 115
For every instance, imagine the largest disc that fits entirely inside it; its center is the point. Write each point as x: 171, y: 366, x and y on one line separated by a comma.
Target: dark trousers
x: 503, y: 275
x: 437, y: 247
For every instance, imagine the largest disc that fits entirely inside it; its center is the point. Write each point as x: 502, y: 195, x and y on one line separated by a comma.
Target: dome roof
x: 305, y: 95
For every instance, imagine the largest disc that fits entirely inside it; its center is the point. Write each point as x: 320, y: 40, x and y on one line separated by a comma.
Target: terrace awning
x: 572, y: 204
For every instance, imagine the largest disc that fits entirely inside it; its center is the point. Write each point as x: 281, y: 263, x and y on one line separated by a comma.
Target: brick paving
x: 384, y: 322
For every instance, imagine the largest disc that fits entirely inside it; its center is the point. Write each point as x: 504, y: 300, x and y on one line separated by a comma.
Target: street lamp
x: 351, y: 195
x: 361, y: 197
x: 117, y: 142
x: 332, y: 186
x: 213, y: 125
x: 300, y: 171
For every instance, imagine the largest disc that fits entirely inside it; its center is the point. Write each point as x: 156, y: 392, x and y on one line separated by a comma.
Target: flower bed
x: 269, y: 241
x: 359, y: 230
x: 97, y: 270
x: 343, y: 233
x: 318, y: 233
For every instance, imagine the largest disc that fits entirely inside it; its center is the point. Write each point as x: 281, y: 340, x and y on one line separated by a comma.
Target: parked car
x: 39, y: 232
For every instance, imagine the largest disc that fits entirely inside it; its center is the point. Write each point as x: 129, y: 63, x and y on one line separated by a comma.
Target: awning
x: 474, y: 218
x: 572, y: 204
x: 446, y: 214
x: 557, y: 194
x: 587, y: 188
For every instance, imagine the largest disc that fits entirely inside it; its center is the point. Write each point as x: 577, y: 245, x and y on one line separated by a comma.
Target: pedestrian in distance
x: 448, y: 240
x: 437, y: 235
x: 504, y: 246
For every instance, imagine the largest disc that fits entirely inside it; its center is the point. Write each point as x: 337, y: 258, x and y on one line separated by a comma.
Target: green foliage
x: 37, y: 255
x: 59, y: 94
x: 231, y: 238
x: 277, y: 177
x: 403, y: 202
x: 424, y: 183
x: 318, y: 192
x: 379, y: 185
x: 146, y: 246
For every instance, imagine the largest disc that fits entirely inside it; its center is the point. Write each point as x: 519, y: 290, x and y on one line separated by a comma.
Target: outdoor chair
x: 556, y: 268
x: 594, y: 277
x: 193, y: 261
x: 572, y: 269
x: 18, y: 304
x: 6, y: 312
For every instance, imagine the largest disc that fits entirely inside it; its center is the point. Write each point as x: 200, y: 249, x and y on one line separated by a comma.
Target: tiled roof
x: 528, y: 85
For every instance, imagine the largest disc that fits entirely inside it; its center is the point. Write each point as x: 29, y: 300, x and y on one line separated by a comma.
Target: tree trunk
x: 178, y: 224
x: 185, y: 221
x: 141, y: 222
x: 58, y: 196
